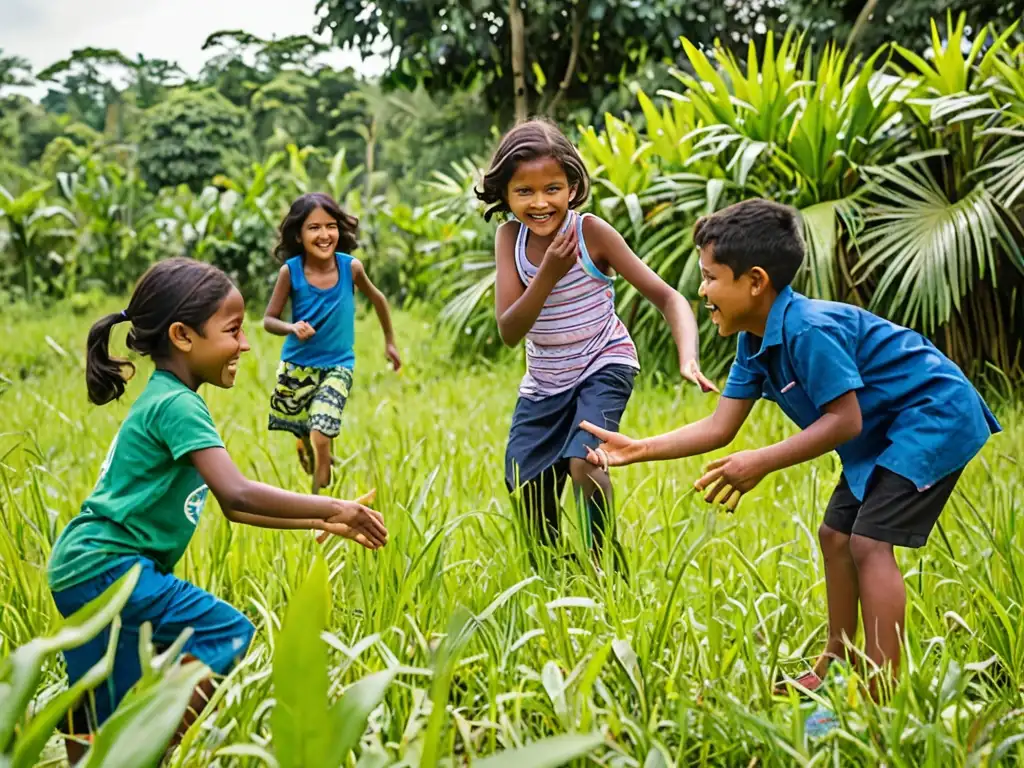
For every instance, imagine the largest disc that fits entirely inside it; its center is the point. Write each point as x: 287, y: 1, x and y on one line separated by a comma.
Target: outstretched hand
x: 726, y: 480
x: 357, y: 522
x: 615, y: 450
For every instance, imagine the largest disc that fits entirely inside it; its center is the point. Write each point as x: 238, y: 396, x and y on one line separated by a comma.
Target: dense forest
x: 894, y: 129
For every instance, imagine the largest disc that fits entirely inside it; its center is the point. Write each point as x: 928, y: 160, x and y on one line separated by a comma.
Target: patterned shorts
x: 309, y: 399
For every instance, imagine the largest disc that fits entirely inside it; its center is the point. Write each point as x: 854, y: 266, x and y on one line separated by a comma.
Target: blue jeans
x: 221, y: 635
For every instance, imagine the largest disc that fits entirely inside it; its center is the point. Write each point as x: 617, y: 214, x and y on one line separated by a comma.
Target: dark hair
x: 177, y: 290
x: 754, y: 233
x: 290, y: 233
x: 529, y: 141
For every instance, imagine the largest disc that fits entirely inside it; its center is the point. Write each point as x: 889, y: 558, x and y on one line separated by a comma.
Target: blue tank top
x: 331, y: 312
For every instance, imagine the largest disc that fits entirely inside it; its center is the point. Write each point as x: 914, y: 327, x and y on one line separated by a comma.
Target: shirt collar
x: 776, y: 315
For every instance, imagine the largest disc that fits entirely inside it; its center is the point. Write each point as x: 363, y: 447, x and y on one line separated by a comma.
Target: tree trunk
x: 515, y: 18
x: 371, y: 151
x: 570, y: 68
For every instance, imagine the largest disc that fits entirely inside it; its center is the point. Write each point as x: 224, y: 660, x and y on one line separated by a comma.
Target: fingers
x: 733, y: 501
x: 592, y: 456
x: 706, y: 384
x: 601, y: 434
x: 716, y: 463
x: 710, y: 475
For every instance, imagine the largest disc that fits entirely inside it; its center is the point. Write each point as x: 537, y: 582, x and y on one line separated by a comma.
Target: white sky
x: 45, y: 31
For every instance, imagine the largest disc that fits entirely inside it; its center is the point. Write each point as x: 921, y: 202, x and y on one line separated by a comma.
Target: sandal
x: 808, y: 681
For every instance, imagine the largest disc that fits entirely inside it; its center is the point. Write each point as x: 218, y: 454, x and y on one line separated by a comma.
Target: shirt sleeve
x: 185, y: 425
x: 824, y: 365
x: 744, y: 382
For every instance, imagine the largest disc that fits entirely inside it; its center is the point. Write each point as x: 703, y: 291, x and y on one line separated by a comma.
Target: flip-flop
x: 820, y: 723
x: 808, y: 681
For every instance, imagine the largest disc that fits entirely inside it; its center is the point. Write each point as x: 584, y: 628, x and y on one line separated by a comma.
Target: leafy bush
x: 192, y: 137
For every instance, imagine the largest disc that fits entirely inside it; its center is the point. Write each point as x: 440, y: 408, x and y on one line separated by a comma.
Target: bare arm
x: 517, y: 308
x: 272, y: 321
x: 740, y: 472
x: 379, y: 301
x: 709, y: 434
x: 840, y: 423
x: 246, y: 501
x: 380, y: 305
x: 609, y: 245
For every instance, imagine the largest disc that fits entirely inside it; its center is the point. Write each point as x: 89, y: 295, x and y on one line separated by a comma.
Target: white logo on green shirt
x: 195, y: 502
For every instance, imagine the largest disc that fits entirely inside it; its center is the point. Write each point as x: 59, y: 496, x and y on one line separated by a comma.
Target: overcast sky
x: 45, y: 31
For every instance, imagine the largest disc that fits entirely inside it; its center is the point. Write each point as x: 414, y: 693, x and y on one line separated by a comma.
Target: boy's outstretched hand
x: 357, y: 522
x: 728, y: 478
x: 616, y: 449
x: 691, y: 372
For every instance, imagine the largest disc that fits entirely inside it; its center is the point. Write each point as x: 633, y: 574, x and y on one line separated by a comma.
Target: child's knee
x: 833, y: 543
x: 865, y: 550
x: 588, y: 477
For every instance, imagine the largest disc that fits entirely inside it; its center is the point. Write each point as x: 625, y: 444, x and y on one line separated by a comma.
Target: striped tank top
x: 577, y: 331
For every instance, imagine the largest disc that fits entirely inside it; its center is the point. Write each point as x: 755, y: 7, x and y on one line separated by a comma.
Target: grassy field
x: 676, y: 668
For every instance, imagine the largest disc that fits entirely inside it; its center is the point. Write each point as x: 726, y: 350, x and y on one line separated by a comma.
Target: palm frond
x: 929, y: 251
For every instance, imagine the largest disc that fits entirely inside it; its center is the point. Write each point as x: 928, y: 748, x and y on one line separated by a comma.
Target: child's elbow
x: 851, y: 426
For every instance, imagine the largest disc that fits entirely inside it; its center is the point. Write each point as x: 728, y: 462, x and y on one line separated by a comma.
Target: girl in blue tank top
x: 318, y: 356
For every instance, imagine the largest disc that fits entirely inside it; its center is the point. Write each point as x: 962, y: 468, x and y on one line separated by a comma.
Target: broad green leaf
x: 19, y: 673
x: 350, y: 713
x: 300, y: 722
x: 547, y: 753
x: 139, y: 731
x: 33, y: 738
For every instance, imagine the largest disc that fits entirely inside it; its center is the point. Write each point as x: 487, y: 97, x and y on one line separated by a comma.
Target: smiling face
x: 733, y: 301
x: 214, y: 353
x: 319, y: 235
x: 538, y: 195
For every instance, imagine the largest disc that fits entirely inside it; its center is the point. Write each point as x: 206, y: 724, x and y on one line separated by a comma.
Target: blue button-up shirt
x: 922, y: 418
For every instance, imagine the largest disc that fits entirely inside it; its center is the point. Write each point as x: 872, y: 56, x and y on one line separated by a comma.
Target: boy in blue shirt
x: 903, y: 418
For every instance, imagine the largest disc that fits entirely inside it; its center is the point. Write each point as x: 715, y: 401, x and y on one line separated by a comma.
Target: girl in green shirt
x: 187, y: 316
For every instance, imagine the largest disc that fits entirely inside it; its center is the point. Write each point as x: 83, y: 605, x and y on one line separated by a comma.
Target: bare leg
x: 843, y: 592
x: 321, y: 460
x: 593, y: 491
x: 883, y: 598
x: 305, y: 451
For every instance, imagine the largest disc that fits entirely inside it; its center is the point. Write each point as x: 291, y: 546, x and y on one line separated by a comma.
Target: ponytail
x: 178, y: 290
x: 105, y: 375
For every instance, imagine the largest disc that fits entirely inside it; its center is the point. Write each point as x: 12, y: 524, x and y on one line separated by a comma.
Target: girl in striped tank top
x: 555, y: 281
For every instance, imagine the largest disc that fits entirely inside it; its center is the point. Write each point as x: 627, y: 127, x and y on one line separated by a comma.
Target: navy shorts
x: 221, y: 634
x: 546, y: 434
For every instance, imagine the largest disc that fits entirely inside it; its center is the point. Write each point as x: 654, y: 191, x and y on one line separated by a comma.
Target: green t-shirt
x: 149, y: 495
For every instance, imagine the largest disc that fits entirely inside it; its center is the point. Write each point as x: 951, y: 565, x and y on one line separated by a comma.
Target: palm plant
x: 29, y: 223
x: 943, y: 228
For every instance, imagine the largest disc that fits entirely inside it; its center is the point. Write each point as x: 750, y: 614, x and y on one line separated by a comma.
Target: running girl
x: 318, y: 357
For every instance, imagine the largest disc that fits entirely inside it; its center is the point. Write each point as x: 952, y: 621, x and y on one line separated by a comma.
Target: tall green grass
x: 675, y: 668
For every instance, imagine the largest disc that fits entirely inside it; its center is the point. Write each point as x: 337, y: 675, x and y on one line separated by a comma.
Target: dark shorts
x: 545, y: 433
x: 221, y: 634
x: 893, y: 510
